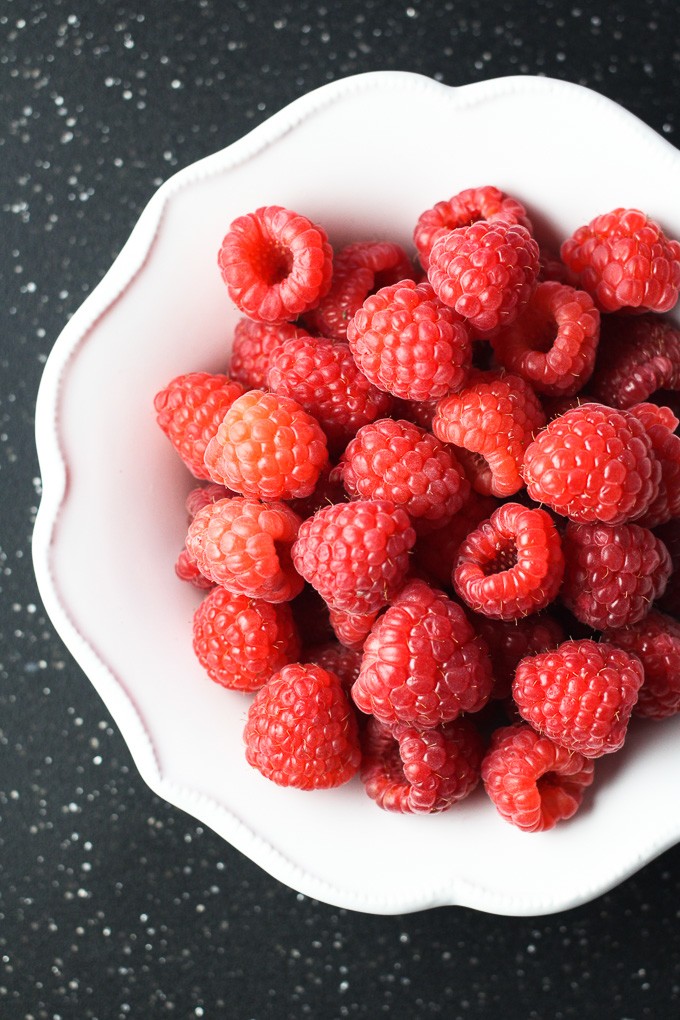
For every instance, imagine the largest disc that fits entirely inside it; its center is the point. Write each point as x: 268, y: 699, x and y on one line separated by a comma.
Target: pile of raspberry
x: 435, y: 527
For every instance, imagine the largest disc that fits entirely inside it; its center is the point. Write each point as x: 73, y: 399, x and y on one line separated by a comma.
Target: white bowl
x: 363, y: 156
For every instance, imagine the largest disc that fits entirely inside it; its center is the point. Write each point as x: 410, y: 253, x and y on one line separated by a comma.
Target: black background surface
x: 112, y: 903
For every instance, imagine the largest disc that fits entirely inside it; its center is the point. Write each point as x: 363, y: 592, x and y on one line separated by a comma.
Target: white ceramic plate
x: 363, y: 156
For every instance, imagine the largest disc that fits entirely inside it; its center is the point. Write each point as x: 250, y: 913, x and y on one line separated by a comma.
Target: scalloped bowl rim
x: 454, y: 888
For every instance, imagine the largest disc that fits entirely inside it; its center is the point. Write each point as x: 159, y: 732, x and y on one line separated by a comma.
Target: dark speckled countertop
x: 112, y: 903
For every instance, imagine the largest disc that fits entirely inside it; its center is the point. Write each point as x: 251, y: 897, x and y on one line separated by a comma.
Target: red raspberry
x: 612, y: 574
x: 301, y: 730
x: 241, y: 641
x: 359, y: 269
x: 186, y: 569
x: 510, y: 641
x: 485, y: 272
x: 244, y: 545
x: 203, y: 495
x: 580, y: 695
x: 656, y: 642
x: 624, y: 260
x: 421, y: 771
x: 189, y: 411
x: 636, y: 358
x: 511, y: 565
x: 552, y: 267
x: 436, y: 551
x: 591, y: 464
x: 352, y: 629
x: 276, y: 264
x: 253, y: 345
x: 401, y: 462
x: 355, y: 554
x: 660, y: 424
x: 420, y: 412
x: 408, y: 343
x: 553, y: 342
x: 336, y: 658
x: 533, y: 782
x: 469, y: 206
x: 329, y: 489
x: 267, y: 446
x: 324, y: 379
x: 494, y: 419
x: 423, y: 663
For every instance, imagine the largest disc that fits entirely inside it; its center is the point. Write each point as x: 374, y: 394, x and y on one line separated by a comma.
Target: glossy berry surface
x: 532, y: 781
x: 656, y: 642
x: 301, y: 730
x: 252, y: 347
x: 637, y: 356
x: 510, y: 641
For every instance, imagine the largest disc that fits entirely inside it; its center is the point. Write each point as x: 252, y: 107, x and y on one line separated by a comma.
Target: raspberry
x: 186, y: 569
x: 612, y: 574
x: 636, y: 358
x: 322, y: 376
x: 553, y: 342
x: 511, y: 565
x: 624, y: 260
x: 469, y: 206
x: 252, y: 348
x: 241, y: 641
x: 591, y: 464
x: 436, y: 551
x: 552, y: 267
x: 656, y: 642
x: 419, y: 771
x: 301, y: 730
x: 335, y: 658
x: 189, y: 411
x: 276, y: 264
x: 486, y: 272
x: 329, y: 489
x: 244, y: 545
x: 203, y: 495
x: 352, y: 629
x: 355, y: 554
x: 420, y: 412
x: 359, y: 269
x: 267, y: 446
x: 510, y: 641
x: 533, y: 782
x: 494, y: 419
x: 423, y: 664
x: 580, y: 695
x: 406, y: 342
x: 401, y: 462
x: 660, y: 424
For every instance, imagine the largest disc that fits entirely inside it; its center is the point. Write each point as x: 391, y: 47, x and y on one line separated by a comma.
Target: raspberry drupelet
x: 204, y: 495
x: 410, y: 344
x: 359, y: 269
x: 241, y: 641
x: 355, y: 554
x: 324, y: 379
x: 186, y: 569
x: 276, y: 264
x: 637, y: 356
x: 532, y: 781
x: 553, y: 342
x: 268, y: 447
x: 252, y: 348
x: 301, y: 730
x: 580, y: 694
x: 656, y: 642
x: 660, y: 424
x: 612, y: 574
x: 467, y: 207
x: 189, y: 410
x: 593, y: 463
x: 420, y: 771
x: 511, y: 565
x: 491, y: 422
x: 510, y: 641
x: 625, y: 261
x: 245, y: 545
x: 423, y: 663
x: 401, y: 462
x: 485, y: 272
x: 352, y: 629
